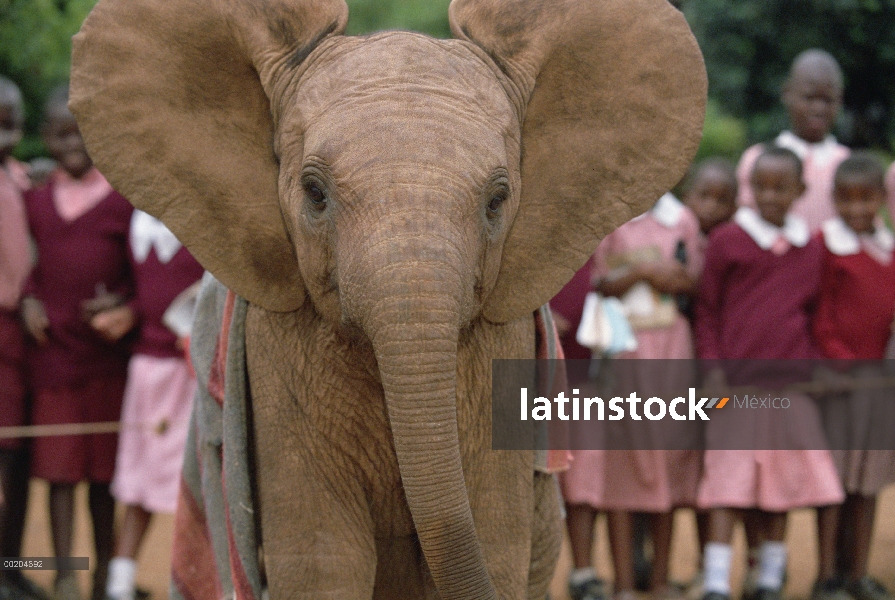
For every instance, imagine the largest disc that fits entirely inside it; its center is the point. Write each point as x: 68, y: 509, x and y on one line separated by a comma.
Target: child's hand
x: 34, y: 316
x: 562, y: 324
x: 114, y: 323
x: 667, y: 277
x: 102, y: 301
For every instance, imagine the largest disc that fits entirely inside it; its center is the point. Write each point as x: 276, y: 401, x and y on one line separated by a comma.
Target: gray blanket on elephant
x: 217, y: 549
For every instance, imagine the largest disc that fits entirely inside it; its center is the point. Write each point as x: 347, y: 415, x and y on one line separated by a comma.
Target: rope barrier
x: 28, y: 431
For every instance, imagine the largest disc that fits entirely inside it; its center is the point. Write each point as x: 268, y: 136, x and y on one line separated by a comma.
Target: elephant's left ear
x: 612, y: 96
x: 176, y: 101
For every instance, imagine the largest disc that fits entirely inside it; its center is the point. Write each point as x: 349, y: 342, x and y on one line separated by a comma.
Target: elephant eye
x: 315, y: 194
x: 498, y: 197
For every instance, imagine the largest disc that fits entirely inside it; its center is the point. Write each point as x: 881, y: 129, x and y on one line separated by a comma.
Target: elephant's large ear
x: 612, y: 98
x: 172, y: 100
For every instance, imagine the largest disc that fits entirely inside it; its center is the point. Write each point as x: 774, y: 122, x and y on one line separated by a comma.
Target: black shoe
x: 23, y: 588
x: 768, y: 594
x: 831, y: 589
x: 868, y: 588
x: 591, y: 589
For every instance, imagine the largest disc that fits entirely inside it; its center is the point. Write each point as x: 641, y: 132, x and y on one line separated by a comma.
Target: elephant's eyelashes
x: 498, y: 197
x: 315, y: 194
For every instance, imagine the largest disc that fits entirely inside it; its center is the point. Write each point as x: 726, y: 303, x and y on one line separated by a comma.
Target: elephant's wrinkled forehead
x: 402, y: 96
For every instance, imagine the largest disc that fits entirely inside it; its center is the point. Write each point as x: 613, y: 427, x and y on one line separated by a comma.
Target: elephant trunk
x: 413, y: 321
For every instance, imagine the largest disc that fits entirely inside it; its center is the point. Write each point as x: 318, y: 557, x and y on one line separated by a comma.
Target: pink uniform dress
x: 80, y: 230
x: 645, y: 480
x: 854, y: 318
x: 160, y: 384
x: 15, y: 263
x: 819, y: 163
x: 755, y: 298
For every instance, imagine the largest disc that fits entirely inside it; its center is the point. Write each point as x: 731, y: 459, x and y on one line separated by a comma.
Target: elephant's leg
x: 336, y: 561
x: 401, y: 571
x: 316, y: 522
x: 502, y: 503
x: 546, y: 535
x: 317, y: 530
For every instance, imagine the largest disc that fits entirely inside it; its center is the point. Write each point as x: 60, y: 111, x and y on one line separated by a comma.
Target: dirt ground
x: 154, y: 564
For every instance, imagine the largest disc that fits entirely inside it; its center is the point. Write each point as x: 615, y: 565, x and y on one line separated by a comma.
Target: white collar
x: 667, y: 210
x: 842, y: 240
x: 821, y: 151
x: 794, y: 230
x: 147, y: 232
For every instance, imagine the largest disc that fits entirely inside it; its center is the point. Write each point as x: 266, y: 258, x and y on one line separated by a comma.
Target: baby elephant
x: 394, y: 208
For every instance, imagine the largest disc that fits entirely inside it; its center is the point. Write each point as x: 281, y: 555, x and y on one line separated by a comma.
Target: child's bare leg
x: 621, y: 532
x: 702, y: 527
x: 133, y: 529
x: 862, y: 514
x: 12, y: 522
x: 583, y: 580
x: 102, y: 512
x: 827, y: 531
x: 580, y: 520
x: 718, y: 553
x: 772, y: 557
x: 62, y: 510
x: 62, y: 524
x: 721, y: 522
x: 123, y: 567
x: 660, y: 528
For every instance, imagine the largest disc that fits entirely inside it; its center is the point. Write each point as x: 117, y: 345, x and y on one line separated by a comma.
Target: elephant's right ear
x: 612, y: 97
x: 172, y: 98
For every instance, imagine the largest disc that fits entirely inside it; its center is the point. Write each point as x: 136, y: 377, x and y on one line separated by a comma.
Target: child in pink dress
x: 79, y: 225
x: 761, y: 276
x: 854, y: 319
x: 656, y: 256
x: 812, y: 95
x: 159, y: 394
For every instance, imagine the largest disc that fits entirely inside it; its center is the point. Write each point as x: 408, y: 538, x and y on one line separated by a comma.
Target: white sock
x: 772, y: 565
x: 716, y: 566
x: 579, y: 576
x: 122, y: 577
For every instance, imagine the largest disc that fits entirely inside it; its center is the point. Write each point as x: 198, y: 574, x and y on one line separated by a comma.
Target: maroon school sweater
x: 74, y: 259
x: 753, y: 303
x: 158, y: 284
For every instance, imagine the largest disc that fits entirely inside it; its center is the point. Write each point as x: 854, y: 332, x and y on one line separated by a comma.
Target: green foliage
x: 749, y: 44
x: 35, y: 43
x: 35, y: 52
x: 722, y: 134
x: 426, y: 16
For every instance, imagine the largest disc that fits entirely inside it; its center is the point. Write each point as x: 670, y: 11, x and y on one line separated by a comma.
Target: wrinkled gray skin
x: 394, y: 208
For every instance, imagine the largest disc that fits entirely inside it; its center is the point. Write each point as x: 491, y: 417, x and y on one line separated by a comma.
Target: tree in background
x: 35, y: 52
x: 35, y: 43
x: 749, y: 44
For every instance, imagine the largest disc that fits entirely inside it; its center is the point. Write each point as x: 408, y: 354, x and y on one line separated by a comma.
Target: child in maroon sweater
x: 15, y: 263
x: 853, y: 322
x: 79, y: 225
